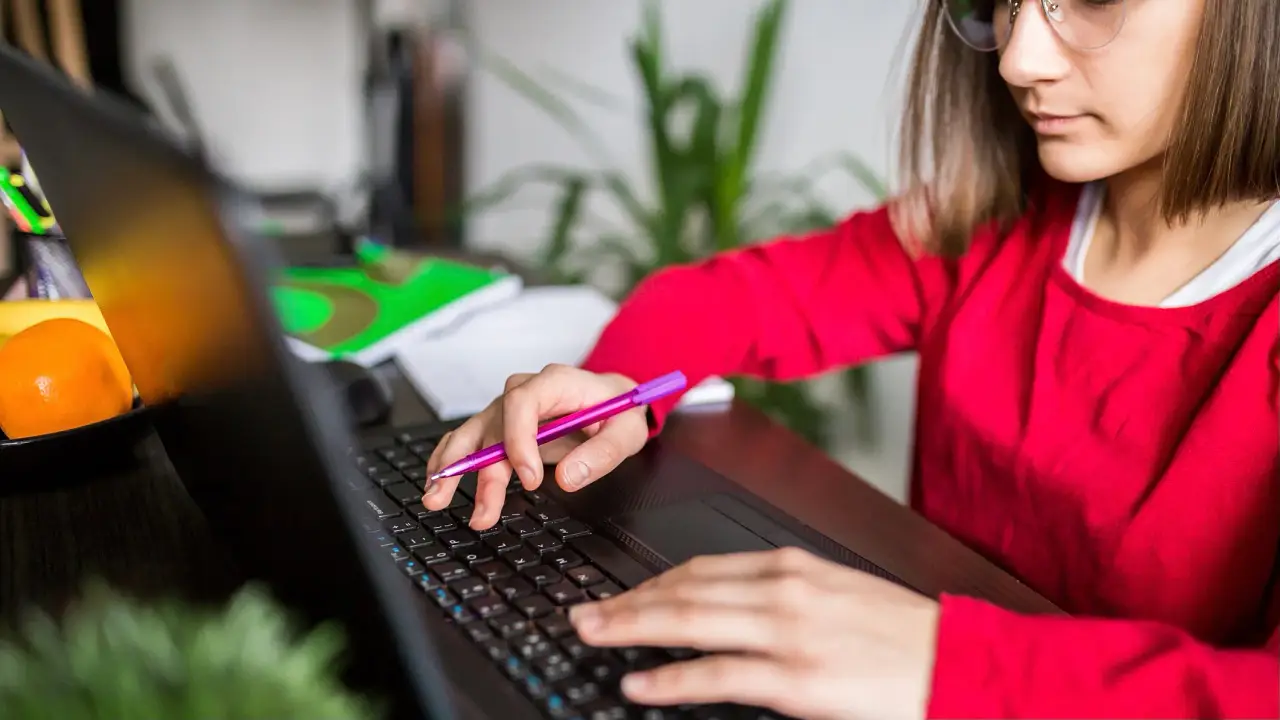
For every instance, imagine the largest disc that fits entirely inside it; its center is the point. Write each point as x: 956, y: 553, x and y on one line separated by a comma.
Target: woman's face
x: 1097, y: 113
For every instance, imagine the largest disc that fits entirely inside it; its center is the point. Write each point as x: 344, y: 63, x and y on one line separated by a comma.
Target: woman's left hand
x: 787, y: 631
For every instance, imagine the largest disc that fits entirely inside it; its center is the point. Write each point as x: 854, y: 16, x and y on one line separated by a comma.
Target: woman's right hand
x: 513, y: 420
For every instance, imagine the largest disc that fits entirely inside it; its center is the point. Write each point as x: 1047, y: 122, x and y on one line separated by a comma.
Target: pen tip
x: 435, y: 477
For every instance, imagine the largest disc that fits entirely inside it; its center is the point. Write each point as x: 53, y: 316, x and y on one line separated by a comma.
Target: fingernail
x: 528, y: 476
x: 430, y: 489
x: 476, y: 514
x: 585, y: 618
x: 577, y: 473
x: 635, y: 683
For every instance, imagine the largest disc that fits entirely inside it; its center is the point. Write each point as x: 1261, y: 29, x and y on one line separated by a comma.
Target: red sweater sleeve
x: 995, y: 663
x: 780, y: 310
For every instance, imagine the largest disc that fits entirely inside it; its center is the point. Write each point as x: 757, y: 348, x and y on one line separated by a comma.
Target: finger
x: 708, y: 626
x: 549, y: 393
x: 752, y: 681
x: 705, y: 568
x: 491, y: 492
x: 453, y: 446
x: 516, y: 381
x: 619, y: 438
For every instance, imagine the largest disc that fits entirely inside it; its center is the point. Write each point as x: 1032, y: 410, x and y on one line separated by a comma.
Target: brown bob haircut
x: 967, y: 155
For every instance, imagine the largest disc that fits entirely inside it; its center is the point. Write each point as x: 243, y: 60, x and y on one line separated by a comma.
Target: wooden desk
x: 138, y: 529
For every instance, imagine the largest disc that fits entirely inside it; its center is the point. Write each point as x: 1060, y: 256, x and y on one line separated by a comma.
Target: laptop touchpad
x: 683, y: 530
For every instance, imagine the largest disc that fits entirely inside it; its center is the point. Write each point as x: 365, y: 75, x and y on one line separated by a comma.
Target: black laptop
x: 442, y: 621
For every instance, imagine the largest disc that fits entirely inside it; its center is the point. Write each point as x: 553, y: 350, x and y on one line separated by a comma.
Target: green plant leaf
x: 568, y: 210
x: 750, y: 110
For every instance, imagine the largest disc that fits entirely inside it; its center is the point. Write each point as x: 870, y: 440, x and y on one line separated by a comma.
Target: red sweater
x: 1121, y: 460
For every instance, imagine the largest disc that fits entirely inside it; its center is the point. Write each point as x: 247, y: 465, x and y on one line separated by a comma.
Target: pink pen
x: 637, y: 396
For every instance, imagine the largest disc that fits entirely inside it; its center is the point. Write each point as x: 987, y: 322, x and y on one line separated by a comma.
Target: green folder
x: 391, y: 299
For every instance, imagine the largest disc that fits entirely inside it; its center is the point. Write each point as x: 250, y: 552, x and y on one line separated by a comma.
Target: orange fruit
x: 60, y: 374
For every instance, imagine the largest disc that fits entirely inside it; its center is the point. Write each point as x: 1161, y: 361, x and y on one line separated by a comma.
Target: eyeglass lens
x: 1082, y: 24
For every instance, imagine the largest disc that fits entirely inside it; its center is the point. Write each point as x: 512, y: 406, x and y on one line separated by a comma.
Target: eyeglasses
x: 987, y: 25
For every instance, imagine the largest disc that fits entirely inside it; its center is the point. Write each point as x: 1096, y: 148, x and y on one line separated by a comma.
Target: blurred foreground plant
x: 112, y: 657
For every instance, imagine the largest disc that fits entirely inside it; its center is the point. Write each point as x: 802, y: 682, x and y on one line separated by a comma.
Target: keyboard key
x: 467, y: 485
x: 576, y: 649
x: 432, y: 554
x: 399, y: 525
x: 604, y: 709
x: 509, y: 625
x: 428, y: 582
x: 460, y: 613
x: 542, y: 542
x: 469, y: 587
x: 487, y: 605
x: 578, y: 691
x: 523, y: 527
x: 385, y: 477
x: 493, y: 570
x: 422, y: 449
x: 398, y: 553
x: 450, y: 571
x: 557, y: 707
x: 417, y: 539
x: 416, y: 475
x: 454, y: 539
x: 553, y: 668
x: 569, y: 529
x: 555, y: 626
x: 564, y: 593
x: 532, y: 646
x: 412, y: 568
x: 463, y: 514
x: 443, y: 597
x: 379, y: 504
x: 514, y: 508
x: 541, y: 575
x: 520, y: 558
x: 585, y: 575
x: 386, y: 540
x: 535, y: 687
x: 548, y: 513
x: 534, y: 606
x: 562, y: 559
x: 475, y: 554
x: 439, y: 523
x: 403, y: 493
x: 502, y: 541
x: 536, y: 497
x: 600, y: 669
x: 513, y: 588
x: 604, y: 591
x: 480, y: 633
x: 390, y: 453
x: 418, y: 511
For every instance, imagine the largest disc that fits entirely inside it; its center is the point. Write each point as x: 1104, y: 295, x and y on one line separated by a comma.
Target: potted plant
x: 114, y: 657
x: 708, y: 195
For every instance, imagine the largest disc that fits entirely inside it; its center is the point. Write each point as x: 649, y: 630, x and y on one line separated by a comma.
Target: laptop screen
x: 258, y: 442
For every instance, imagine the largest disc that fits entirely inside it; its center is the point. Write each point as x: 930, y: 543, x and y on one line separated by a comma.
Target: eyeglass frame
x: 1015, y: 9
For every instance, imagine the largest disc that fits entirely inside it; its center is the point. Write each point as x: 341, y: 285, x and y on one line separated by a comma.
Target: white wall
x: 837, y: 88
x: 277, y: 85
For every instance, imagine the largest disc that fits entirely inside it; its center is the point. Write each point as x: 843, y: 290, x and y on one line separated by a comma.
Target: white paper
x: 460, y: 371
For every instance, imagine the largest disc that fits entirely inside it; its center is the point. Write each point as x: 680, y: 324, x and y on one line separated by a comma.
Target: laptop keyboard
x: 508, y: 588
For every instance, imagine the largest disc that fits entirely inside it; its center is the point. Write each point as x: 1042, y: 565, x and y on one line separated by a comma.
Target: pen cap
x: 658, y: 387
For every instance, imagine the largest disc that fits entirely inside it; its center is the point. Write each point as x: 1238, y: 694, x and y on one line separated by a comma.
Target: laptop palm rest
x: 712, y: 525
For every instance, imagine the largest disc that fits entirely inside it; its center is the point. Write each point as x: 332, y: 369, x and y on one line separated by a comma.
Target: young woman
x: 1086, y: 260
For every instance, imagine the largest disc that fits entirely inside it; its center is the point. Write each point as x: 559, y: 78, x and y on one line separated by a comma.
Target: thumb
x: 618, y: 438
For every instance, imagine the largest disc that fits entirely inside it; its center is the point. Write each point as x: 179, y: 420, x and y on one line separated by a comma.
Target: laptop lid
x: 260, y: 443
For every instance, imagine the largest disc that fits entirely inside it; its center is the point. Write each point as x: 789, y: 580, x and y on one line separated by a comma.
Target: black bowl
x: 72, y: 457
